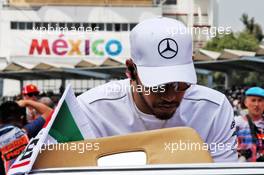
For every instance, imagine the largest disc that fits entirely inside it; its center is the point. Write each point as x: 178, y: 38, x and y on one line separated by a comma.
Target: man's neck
x: 255, y: 117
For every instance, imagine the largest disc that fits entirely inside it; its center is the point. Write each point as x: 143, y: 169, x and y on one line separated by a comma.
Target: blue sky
x: 230, y: 12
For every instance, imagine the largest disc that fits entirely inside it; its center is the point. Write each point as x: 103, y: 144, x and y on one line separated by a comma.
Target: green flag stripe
x: 64, y: 128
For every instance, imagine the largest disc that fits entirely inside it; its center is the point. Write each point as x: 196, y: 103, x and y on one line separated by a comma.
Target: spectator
x: 14, y: 132
x: 250, y: 128
x: 47, y: 101
x: 30, y: 92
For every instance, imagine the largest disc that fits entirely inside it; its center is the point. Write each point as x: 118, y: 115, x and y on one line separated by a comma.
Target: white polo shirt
x: 111, y: 110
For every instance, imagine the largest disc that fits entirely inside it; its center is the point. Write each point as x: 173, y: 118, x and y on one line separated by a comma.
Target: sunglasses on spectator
x: 32, y: 94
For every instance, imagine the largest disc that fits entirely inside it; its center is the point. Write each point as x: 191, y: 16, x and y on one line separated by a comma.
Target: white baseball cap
x: 162, y: 50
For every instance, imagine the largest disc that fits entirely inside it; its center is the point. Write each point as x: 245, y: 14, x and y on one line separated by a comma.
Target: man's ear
x: 130, y: 69
x: 129, y: 63
x: 246, y: 102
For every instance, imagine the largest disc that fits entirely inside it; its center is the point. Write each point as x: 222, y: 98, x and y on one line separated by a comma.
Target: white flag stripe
x: 78, y: 116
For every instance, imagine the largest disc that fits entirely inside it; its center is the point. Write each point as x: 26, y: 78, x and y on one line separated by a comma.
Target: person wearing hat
x: 161, y: 92
x: 30, y: 92
x: 250, y: 128
x: 15, y: 132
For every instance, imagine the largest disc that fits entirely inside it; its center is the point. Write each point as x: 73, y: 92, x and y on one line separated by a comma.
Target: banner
x: 77, y: 44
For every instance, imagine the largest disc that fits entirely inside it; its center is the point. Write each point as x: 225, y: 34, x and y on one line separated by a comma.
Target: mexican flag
x: 66, y: 124
x: 69, y: 124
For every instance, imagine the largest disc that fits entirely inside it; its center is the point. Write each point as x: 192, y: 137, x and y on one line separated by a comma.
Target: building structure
x: 64, y: 33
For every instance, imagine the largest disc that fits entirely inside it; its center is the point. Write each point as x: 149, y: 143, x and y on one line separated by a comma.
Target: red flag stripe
x: 21, y: 164
x: 48, y: 119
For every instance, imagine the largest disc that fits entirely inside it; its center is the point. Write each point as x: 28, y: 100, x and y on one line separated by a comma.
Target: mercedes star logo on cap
x: 168, y: 48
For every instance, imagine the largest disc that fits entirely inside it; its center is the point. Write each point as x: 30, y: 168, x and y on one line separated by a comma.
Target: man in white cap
x: 161, y: 92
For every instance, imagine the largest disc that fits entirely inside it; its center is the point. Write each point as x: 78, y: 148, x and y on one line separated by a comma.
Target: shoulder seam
x: 108, y: 99
x: 202, y: 99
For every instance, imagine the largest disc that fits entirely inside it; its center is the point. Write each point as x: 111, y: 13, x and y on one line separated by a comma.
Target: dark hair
x: 11, y: 111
